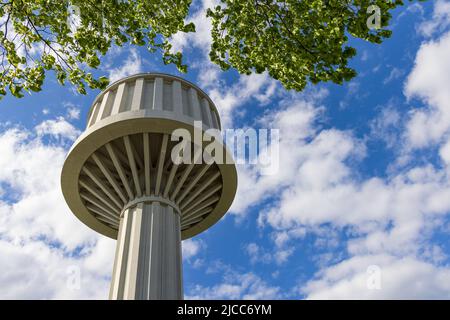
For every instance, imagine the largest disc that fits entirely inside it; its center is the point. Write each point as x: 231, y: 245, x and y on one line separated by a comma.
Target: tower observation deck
x: 120, y: 179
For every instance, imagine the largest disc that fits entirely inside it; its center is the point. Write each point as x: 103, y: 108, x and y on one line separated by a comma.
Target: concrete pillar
x: 148, y: 255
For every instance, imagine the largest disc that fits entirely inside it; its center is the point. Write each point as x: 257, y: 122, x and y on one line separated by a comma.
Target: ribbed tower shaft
x: 148, y: 261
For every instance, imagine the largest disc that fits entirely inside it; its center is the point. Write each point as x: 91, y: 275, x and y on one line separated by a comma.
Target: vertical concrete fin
x: 103, y: 106
x: 147, y: 163
x: 160, y: 165
x: 177, y: 99
x: 207, y: 110
x: 133, y: 254
x: 195, y: 104
x: 119, y: 99
x: 137, y: 94
x: 158, y: 94
x: 132, y: 162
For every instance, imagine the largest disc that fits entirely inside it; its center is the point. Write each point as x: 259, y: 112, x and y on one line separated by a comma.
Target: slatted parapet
x: 158, y: 95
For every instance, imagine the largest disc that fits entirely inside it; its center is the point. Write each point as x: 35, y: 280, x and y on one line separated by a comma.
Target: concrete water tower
x: 120, y: 179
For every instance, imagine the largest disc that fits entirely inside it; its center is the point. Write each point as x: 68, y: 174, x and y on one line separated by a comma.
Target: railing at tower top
x: 157, y: 95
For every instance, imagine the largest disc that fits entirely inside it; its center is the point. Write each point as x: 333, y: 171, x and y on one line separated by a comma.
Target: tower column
x: 148, y: 255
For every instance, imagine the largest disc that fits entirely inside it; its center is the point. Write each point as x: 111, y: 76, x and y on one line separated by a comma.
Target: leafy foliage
x: 296, y: 41
x: 35, y: 36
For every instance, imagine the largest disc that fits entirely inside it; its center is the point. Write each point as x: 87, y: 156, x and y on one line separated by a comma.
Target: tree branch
x: 294, y: 37
x: 47, y: 43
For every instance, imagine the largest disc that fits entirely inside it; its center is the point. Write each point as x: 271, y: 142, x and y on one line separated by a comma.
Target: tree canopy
x: 295, y: 41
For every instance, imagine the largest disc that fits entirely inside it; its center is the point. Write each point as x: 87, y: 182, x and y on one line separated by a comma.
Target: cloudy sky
x: 359, y: 208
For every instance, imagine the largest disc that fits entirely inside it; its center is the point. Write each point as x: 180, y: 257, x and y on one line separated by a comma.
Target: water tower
x: 121, y: 180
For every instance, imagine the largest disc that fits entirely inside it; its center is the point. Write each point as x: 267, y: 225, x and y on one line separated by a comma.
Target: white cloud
x: 322, y: 188
x: 191, y: 248
x: 444, y: 153
x: 35, y: 270
x: 393, y: 75
x: 201, y: 38
x: 132, y: 65
x: 40, y: 237
x: 440, y: 20
x: 429, y: 81
x: 386, y: 125
x: 353, y: 92
x: 58, y: 128
x: 281, y: 237
x: 400, y: 278
x: 258, y: 254
x: 247, y: 286
x: 228, y: 98
x: 295, y: 119
x: 73, y: 113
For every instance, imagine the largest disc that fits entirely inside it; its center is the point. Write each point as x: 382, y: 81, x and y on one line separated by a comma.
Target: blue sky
x: 363, y: 183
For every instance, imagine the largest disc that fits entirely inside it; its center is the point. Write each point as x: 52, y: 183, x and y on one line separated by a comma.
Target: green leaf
x: 103, y: 82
